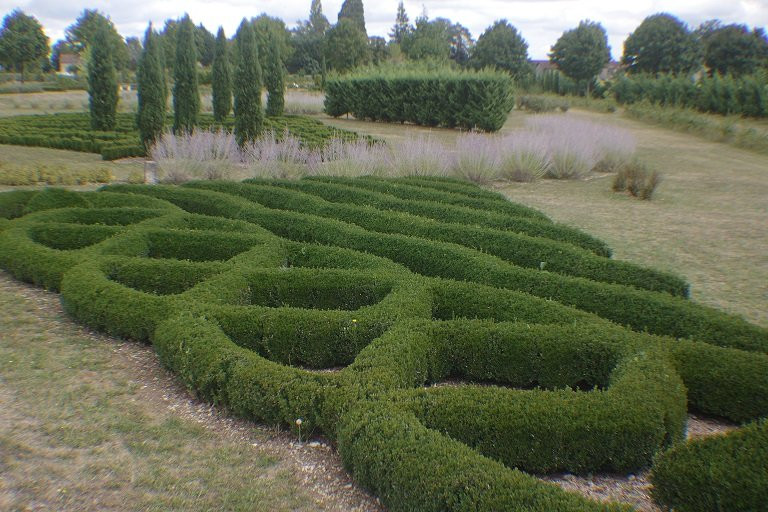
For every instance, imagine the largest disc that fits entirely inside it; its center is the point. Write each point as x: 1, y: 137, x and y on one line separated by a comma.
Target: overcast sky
x: 541, y: 22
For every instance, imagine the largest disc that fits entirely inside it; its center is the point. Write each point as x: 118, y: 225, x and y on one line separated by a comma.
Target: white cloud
x: 540, y: 21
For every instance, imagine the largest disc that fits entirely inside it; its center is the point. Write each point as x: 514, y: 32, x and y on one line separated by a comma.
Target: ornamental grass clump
x: 477, y: 158
x: 637, y: 179
x: 270, y: 156
x: 198, y: 155
x: 421, y: 156
x: 352, y: 158
x: 578, y: 147
x: 524, y: 157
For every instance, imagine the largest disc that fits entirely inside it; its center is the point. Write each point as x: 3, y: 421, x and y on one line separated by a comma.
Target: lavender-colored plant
x: 577, y: 147
x: 524, y: 157
x: 421, y: 156
x: 198, y: 155
x: 269, y: 156
x: 478, y: 157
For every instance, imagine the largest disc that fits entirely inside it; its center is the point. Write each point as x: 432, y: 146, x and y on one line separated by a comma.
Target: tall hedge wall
x: 470, y: 100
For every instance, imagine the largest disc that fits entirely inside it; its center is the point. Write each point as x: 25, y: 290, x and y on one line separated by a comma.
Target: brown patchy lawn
x: 89, y: 423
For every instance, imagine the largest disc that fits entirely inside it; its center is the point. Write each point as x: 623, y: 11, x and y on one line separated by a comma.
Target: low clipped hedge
x: 520, y: 249
x: 442, y: 210
x: 658, y: 313
x: 72, y: 131
x: 455, y: 371
x: 727, y: 472
x: 470, y: 100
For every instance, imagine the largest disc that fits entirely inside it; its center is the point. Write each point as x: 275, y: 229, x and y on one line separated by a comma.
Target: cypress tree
x: 221, y: 79
x: 275, y: 80
x: 353, y: 10
x: 150, y: 76
x: 102, y: 82
x: 248, y: 114
x: 186, y: 98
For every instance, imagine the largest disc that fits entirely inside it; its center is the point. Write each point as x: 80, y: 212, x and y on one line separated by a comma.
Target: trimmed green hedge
x: 522, y: 250
x: 718, y: 473
x: 440, y: 209
x: 72, y: 131
x: 452, y: 366
x: 471, y: 100
x: 658, y: 313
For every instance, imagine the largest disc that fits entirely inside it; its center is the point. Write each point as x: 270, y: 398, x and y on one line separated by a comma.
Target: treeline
x: 746, y: 95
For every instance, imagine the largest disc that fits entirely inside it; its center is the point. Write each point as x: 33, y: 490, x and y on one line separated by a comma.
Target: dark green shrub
x: 714, y: 474
x: 13, y: 203
x: 51, y: 198
x: 470, y: 100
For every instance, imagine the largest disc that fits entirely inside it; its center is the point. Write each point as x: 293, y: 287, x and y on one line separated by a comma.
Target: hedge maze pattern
x: 73, y: 132
x: 474, y: 341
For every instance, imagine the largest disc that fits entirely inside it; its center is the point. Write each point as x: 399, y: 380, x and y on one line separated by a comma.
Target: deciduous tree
x: 80, y: 36
x: 735, y: 49
x: 582, y: 52
x: 661, y: 44
x: 501, y: 46
x: 346, y: 46
x: 22, y: 41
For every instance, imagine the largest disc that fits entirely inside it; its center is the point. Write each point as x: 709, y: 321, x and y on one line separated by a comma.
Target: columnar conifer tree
x: 186, y: 98
x: 150, y: 76
x: 274, y: 80
x: 221, y: 79
x: 247, y: 86
x: 102, y: 83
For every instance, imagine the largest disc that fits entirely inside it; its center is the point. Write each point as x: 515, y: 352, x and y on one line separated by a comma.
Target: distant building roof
x: 610, y: 69
x: 68, y: 59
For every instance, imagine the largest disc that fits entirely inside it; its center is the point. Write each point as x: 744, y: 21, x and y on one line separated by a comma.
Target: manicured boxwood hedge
x: 458, y: 370
x: 523, y: 250
x: 468, y: 99
x: 73, y: 132
x: 719, y: 473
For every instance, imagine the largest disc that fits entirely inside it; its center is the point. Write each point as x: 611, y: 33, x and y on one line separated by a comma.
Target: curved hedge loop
x: 456, y: 370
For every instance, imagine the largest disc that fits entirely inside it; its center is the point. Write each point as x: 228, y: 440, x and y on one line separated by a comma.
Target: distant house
x: 69, y: 64
x: 608, y: 72
x: 540, y: 66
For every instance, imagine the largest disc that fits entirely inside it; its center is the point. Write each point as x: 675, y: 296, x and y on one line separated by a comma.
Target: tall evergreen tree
x: 274, y: 78
x: 221, y: 83
x: 248, y: 115
x: 150, y: 76
x: 186, y: 97
x: 402, y: 25
x: 318, y: 23
x: 102, y: 83
x: 353, y: 10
